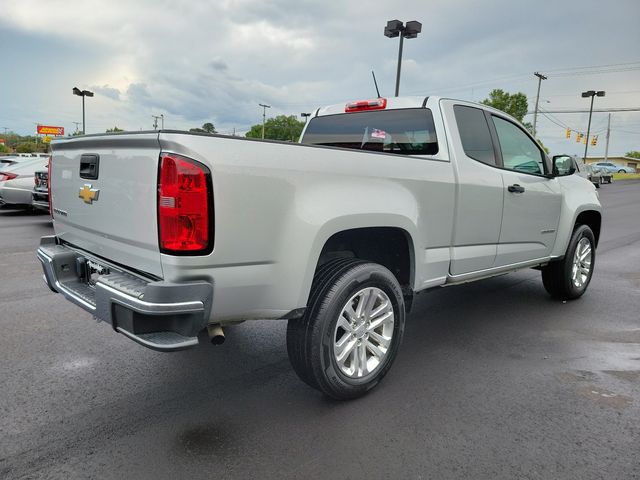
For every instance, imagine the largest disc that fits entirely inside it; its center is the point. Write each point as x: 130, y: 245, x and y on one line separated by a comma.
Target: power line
x: 594, y: 66
x: 596, y: 72
x: 598, y: 110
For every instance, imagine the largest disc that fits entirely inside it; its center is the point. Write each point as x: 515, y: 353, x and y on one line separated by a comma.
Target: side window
x: 474, y: 134
x: 519, y: 152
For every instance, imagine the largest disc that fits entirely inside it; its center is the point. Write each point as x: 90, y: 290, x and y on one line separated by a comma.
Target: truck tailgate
x: 110, y: 209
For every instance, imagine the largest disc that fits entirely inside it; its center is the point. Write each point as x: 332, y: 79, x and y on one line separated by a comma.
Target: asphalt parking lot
x: 494, y: 380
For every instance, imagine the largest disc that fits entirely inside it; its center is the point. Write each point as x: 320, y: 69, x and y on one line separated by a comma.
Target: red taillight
x: 375, y: 104
x: 49, y: 186
x: 185, y: 201
x: 7, y: 176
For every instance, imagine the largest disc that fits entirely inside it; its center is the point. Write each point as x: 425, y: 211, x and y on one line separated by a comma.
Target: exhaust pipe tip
x: 216, y: 334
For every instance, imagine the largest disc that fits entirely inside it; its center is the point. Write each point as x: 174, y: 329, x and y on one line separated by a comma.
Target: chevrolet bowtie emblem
x: 89, y: 194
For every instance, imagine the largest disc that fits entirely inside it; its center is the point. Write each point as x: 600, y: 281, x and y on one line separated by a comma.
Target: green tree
x: 206, y: 128
x: 633, y: 154
x: 282, y: 127
x: 114, y: 129
x: 77, y: 133
x: 515, y: 104
x: 26, y: 147
x: 3, y: 148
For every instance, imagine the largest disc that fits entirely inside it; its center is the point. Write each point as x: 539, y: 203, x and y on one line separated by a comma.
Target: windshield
x: 403, y: 132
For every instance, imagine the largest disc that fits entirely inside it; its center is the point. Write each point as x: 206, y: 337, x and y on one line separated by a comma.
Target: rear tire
x: 621, y: 171
x: 352, y: 328
x: 568, y: 279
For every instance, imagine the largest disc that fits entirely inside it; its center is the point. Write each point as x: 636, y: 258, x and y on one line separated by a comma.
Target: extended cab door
x: 531, y: 201
x: 479, y: 192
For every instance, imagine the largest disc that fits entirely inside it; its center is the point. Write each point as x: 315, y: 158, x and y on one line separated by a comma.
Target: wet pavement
x: 494, y: 380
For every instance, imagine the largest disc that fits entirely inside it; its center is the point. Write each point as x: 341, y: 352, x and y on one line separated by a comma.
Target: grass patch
x: 626, y: 176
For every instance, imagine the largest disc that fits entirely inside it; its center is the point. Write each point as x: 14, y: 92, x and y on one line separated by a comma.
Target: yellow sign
x: 88, y: 194
x: 46, y: 139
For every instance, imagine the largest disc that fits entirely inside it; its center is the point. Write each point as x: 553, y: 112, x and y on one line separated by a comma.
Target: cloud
x: 218, y: 65
x: 138, y: 92
x: 107, y: 91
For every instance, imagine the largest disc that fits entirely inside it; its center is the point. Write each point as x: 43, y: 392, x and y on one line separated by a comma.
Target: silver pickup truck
x: 165, y: 235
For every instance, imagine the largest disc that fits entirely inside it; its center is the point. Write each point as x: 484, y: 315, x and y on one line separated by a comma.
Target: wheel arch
x: 591, y: 218
x: 389, y: 243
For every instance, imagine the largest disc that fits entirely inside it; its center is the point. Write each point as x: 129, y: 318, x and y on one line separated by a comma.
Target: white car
x: 16, y: 182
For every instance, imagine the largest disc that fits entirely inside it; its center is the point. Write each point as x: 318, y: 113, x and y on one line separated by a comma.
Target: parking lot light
x: 82, y: 93
x: 592, y: 94
x: 395, y: 28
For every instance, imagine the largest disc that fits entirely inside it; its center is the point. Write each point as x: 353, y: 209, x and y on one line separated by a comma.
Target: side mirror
x: 563, y: 166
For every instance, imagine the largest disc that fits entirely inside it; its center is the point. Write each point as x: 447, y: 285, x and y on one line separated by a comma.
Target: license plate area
x: 88, y: 270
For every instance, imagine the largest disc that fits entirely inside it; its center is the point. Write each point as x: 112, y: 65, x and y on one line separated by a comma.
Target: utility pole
x: 155, y: 121
x: 606, y: 148
x: 36, y: 135
x: 77, y: 124
x: 264, y: 116
x: 535, y: 112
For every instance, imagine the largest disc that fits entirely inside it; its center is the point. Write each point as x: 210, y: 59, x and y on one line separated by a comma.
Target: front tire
x: 351, y: 331
x: 569, y: 278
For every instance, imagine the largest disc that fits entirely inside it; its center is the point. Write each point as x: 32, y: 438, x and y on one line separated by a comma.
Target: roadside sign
x: 50, y: 130
x: 46, y: 139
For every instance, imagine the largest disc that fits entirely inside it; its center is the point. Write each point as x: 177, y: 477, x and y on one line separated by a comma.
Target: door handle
x: 515, y: 188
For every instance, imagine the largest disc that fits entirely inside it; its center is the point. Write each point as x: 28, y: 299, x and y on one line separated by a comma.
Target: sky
x: 214, y: 61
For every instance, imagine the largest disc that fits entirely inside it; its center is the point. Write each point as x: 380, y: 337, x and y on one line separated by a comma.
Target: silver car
x: 16, y: 182
x: 614, y: 167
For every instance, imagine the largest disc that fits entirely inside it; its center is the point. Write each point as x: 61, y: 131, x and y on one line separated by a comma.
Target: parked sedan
x: 16, y: 182
x: 614, y: 167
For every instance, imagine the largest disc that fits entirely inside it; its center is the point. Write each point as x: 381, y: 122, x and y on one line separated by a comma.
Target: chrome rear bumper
x: 160, y: 315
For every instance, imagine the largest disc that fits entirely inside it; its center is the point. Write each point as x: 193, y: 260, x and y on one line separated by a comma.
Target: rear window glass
x: 402, y: 132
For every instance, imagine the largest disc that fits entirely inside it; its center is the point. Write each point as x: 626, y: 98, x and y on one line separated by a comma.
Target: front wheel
x: 568, y: 279
x: 351, y: 331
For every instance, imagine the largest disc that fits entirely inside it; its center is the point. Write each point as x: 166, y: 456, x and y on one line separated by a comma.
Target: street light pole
x: 535, y: 112
x: 82, y: 93
x: 395, y: 28
x: 399, y: 65
x: 264, y: 116
x: 592, y: 94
